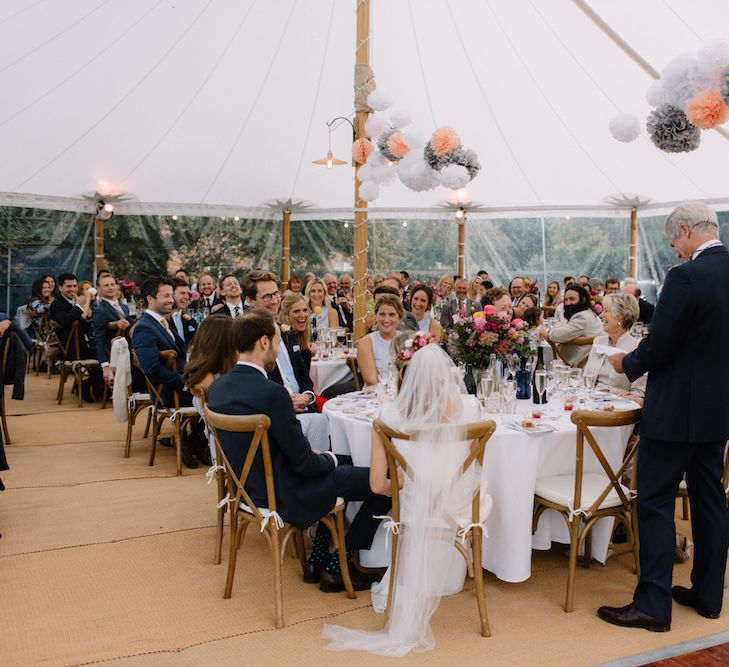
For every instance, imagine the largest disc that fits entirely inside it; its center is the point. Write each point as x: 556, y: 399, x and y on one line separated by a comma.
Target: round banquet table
x: 512, y: 463
x: 326, y: 373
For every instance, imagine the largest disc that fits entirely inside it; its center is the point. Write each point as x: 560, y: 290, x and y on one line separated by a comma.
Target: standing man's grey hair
x: 696, y: 215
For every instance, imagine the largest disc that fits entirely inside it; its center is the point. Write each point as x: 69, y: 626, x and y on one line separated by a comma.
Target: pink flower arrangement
x: 417, y: 342
x: 473, y: 339
x: 397, y: 146
x: 361, y: 150
x: 444, y: 140
x: 707, y: 109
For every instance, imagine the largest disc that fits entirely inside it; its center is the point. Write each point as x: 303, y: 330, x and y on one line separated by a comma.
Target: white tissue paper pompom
x: 386, y: 174
x: 681, y: 80
x: 415, y: 173
x: 454, y: 176
x: 377, y: 159
x: 624, y: 127
x: 375, y: 126
x: 369, y: 191
x: 414, y: 138
x: 379, y: 100
x: 713, y: 58
x: 655, y: 95
x: 365, y: 172
x: 400, y: 118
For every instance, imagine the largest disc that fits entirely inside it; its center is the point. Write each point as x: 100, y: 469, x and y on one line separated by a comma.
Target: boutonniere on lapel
x: 186, y: 317
x: 285, y: 328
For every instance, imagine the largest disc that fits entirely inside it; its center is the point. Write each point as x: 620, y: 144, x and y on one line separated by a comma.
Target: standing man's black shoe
x: 685, y: 596
x: 632, y: 617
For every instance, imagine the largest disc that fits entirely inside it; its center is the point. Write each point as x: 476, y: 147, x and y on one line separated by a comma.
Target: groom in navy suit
x: 307, y: 482
x: 684, y: 426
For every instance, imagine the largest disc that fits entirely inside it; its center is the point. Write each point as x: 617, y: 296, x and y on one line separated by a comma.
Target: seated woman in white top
x: 580, y: 321
x: 620, y: 312
x: 421, y: 300
x: 436, y: 498
x: 316, y: 295
x: 373, y: 351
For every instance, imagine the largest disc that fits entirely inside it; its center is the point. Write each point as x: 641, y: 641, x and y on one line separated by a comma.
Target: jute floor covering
x: 104, y: 559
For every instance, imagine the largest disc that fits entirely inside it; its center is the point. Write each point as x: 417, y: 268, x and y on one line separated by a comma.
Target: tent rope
x: 194, y: 96
x: 253, y: 106
x: 489, y: 107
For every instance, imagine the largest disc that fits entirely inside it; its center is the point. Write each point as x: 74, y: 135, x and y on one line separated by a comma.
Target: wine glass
x: 508, y: 391
x: 511, y: 365
x: 575, y: 378
x: 540, y: 383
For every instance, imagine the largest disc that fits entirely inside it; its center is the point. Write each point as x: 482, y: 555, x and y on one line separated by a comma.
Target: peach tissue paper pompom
x: 624, y: 127
x: 361, y: 150
x: 444, y: 140
x: 396, y: 144
x: 375, y: 126
x: 379, y: 100
x: 707, y: 109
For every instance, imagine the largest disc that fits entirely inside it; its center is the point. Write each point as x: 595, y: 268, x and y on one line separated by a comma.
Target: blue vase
x: 523, y: 380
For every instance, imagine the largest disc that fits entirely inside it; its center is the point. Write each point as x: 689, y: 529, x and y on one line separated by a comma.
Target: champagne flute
x: 575, y: 377
x: 511, y: 364
x: 487, y: 385
x: 540, y: 383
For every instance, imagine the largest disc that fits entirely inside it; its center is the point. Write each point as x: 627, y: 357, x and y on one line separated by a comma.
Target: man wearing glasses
x: 262, y: 290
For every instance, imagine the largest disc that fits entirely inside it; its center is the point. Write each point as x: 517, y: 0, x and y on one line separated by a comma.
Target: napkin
x: 607, y: 350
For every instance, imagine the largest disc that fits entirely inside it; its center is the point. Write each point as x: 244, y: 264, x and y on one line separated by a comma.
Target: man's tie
x: 236, y: 311
x: 207, y: 302
x: 178, y: 323
x: 166, y: 325
x: 118, y: 310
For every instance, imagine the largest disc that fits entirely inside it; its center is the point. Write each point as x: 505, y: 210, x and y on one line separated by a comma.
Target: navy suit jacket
x: 104, y: 314
x: 148, y: 340
x: 66, y: 314
x: 305, y: 481
x: 686, y: 354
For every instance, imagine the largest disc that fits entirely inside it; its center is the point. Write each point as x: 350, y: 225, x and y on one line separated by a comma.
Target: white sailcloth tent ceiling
x: 203, y: 106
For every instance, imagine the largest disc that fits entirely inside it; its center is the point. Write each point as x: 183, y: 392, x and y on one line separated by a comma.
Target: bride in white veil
x: 432, y: 407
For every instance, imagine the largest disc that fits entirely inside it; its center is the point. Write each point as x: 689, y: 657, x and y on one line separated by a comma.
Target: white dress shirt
x: 704, y: 246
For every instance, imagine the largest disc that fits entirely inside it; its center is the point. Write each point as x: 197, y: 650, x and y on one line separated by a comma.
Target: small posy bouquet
x: 473, y: 339
x: 417, y: 342
x: 520, y: 343
x: 531, y: 286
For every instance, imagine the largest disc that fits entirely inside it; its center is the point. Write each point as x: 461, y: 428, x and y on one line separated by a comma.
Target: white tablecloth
x: 327, y: 373
x: 512, y: 463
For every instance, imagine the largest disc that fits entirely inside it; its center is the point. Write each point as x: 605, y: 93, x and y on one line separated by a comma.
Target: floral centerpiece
x: 519, y: 340
x: 129, y: 289
x: 531, y: 287
x: 596, y: 302
x: 474, y: 339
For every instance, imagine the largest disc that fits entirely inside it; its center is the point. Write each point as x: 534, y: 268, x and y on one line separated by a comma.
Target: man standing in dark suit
x: 109, y: 319
x: 152, y: 335
x: 206, y: 287
x: 630, y: 286
x: 684, y: 426
x: 307, y: 482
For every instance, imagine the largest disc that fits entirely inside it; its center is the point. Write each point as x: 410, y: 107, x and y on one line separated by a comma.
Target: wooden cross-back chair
x: 137, y: 402
x: 75, y: 366
x: 479, y: 434
x: 9, y: 341
x: 179, y: 416
x: 244, y: 512
x: 354, y: 367
x: 588, y: 497
x: 218, y: 470
x: 580, y: 340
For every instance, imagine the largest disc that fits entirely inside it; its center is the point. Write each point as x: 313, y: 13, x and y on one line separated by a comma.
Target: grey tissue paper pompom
x: 671, y: 131
x: 725, y: 86
x: 382, y: 145
x: 462, y: 156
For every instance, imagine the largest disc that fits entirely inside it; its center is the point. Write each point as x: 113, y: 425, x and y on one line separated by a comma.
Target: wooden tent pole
x: 360, y: 215
x: 633, y: 251
x: 285, y: 245
x: 461, y: 258
x: 99, y: 258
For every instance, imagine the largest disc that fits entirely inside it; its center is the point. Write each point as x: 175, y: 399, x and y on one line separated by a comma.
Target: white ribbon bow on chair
x: 573, y: 513
x: 464, y: 530
x: 391, y: 526
x: 210, y: 474
x: 225, y: 501
x: 276, y: 519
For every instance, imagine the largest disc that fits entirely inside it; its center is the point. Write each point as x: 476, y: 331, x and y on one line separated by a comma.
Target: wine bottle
x: 539, y: 395
x: 313, y: 328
